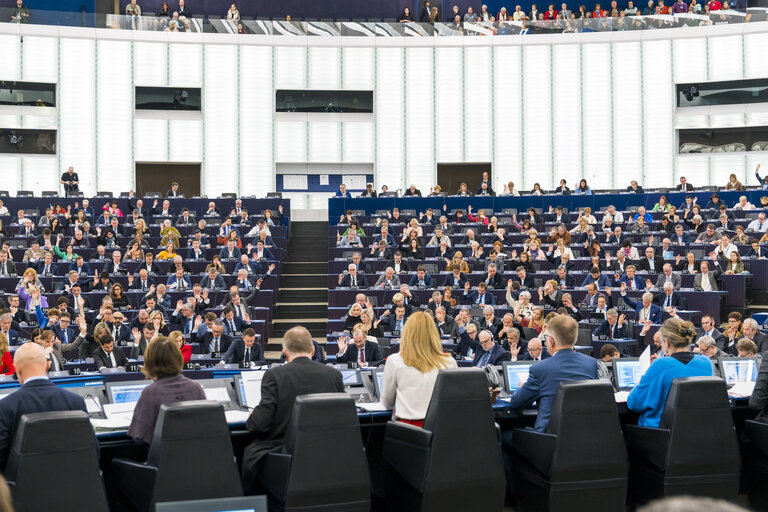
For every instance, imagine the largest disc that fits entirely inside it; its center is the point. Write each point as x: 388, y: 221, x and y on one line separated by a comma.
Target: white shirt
x: 406, y: 389
x: 706, y: 284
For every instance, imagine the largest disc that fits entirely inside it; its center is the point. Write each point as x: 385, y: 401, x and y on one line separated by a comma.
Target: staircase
x: 302, y: 298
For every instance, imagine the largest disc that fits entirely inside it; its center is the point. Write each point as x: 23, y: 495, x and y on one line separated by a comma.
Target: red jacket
x: 550, y: 16
x: 6, y: 363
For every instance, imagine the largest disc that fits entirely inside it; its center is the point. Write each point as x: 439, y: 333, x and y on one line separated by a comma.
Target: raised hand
x: 343, y: 342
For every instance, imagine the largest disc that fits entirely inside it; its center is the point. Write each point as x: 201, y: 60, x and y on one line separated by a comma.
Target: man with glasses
x: 708, y: 328
x: 489, y: 352
x: 706, y: 346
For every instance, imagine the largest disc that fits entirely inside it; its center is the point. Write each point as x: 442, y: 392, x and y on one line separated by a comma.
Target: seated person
x: 488, y: 351
x: 422, y: 279
x: 482, y: 296
x: 613, y: 327
x: 245, y: 350
x: 362, y: 351
x: 409, y: 375
x: 106, y: 356
x: 279, y: 389
x: 162, y: 363
x: 645, y: 309
x: 650, y: 395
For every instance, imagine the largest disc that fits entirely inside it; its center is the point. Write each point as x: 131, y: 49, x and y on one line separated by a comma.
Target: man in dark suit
x: 457, y: 279
x: 245, y: 350
x: 174, y: 192
x: 106, y: 356
x: 230, y: 252
x: 352, y: 278
x: 545, y: 377
x: 37, y: 394
x: 7, y: 267
x: 115, y: 266
x: 708, y: 328
x: 645, y: 308
x: 613, y: 327
x: 684, y: 186
x: 670, y: 299
x: 215, y: 340
x: 488, y: 352
x: 752, y: 332
x: 5, y: 327
x: 652, y: 262
x: 361, y: 351
x: 142, y: 283
x: 421, y: 278
x: 523, y: 278
x: 492, y: 278
x: 535, y: 351
x: 279, y: 389
x: 482, y: 296
x: 490, y: 321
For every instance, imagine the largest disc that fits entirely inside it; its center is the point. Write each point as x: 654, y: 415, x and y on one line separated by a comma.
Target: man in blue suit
x: 613, y: 327
x: 421, y: 279
x: 681, y: 237
x: 245, y: 350
x: 595, y: 276
x: 630, y: 280
x: 489, y: 352
x: 646, y: 309
x: 565, y: 365
x: 36, y: 394
x: 5, y: 327
x: 482, y: 296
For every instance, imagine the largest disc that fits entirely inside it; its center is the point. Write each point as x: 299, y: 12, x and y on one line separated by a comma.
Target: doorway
x: 450, y: 176
x: 158, y: 176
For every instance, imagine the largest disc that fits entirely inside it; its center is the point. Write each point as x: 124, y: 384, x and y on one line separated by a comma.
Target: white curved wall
x: 597, y: 105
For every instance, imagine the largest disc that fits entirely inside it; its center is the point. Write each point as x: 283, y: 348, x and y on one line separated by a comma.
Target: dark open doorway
x: 158, y: 176
x: 450, y: 176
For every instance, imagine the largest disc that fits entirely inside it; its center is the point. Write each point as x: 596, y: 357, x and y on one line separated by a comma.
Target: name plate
x: 602, y: 337
x: 215, y: 355
x: 132, y: 367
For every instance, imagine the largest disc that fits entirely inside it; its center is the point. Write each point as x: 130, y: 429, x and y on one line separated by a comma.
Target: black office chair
x: 694, y: 451
x: 324, y: 467
x: 755, y: 463
x: 580, y: 462
x: 190, y: 458
x: 454, y: 462
x: 63, y: 440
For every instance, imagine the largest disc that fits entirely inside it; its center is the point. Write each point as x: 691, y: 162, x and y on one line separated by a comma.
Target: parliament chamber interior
x: 424, y: 255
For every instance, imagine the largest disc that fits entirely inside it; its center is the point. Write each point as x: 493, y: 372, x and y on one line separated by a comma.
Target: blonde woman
x: 141, y: 227
x: 157, y: 319
x: 353, y: 317
x: 587, y: 214
x: 409, y: 375
x: 458, y: 262
x: 170, y: 234
x: 510, y: 190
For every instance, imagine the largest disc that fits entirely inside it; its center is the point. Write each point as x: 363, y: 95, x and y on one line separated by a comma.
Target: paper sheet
x: 372, y: 406
x: 111, y: 424
x: 742, y: 389
x: 621, y: 396
x: 92, y: 405
x: 236, y: 416
x: 252, y: 386
x: 645, y: 360
x: 217, y: 394
x: 120, y: 411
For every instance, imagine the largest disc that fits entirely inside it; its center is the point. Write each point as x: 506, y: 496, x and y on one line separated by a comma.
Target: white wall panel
x: 507, y: 105
x: 725, y: 62
x: 10, y: 64
x: 478, y: 120
x: 597, y: 116
x: 151, y: 140
x: 186, y: 142
x: 358, y: 68
x: 40, y: 173
x: 114, y: 121
x: 150, y: 64
x: 695, y: 168
x: 290, y: 141
x: 389, y: 114
x: 77, y: 93
x: 358, y: 142
x: 566, y: 112
x: 690, y: 59
x: 658, y: 114
x: 755, y: 66
x: 11, y: 167
x: 41, y: 57
x: 627, y: 113
x: 726, y: 120
x: 324, y: 68
x: 290, y: 67
x: 324, y: 142
x: 449, y: 105
x: 220, y: 120
x: 256, y: 120
x: 185, y: 65
x: 537, y: 125
x: 723, y: 164
x: 419, y: 122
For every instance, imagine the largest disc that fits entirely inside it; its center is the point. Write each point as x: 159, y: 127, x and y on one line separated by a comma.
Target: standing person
x: 409, y: 375
x: 71, y: 182
x: 162, y: 363
x: 279, y: 389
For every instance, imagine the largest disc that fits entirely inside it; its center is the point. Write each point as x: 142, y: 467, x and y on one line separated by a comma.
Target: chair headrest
x: 190, y: 420
x: 41, y: 432
x: 458, y: 389
x: 694, y: 393
x: 324, y: 410
x: 584, y: 397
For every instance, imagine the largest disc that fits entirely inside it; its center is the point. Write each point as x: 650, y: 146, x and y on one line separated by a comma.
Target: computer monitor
x: 91, y: 389
x: 240, y: 504
x: 378, y: 382
x: 351, y: 377
x: 125, y: 392
x: 516, y: 374
x: 626, y: 372
x: 738, y: 369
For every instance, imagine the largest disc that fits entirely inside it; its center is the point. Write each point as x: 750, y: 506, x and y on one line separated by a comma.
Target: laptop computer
x: 516, y: 374
x: 627, y: 372
x: 738, y: 369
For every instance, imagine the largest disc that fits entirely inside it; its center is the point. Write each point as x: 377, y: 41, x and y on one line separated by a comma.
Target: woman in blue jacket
x: 649, y: 397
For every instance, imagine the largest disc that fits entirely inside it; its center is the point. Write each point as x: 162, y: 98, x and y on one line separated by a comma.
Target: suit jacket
x: 36, y: 396
x: 448, y: 327
x: 137, y: 284
x: 346, y: 281
x: 493, y: 326
x: 225, y: 342
x: 217, y: 284
x: 191, y: 255
x: 383, y: 279
x: 10, y: 267
x: 449, y: 281
x: 544, y: 380
x: 527, y: 355
x: 154, y: 268
x: 525, y: 283
x: 101, y: 359
x: 759, y: 399
x: 372, y: 354
x: 236, y: 353
x: 658, y: 263
x: 186, y: 283
x: 677, y: 300
x: 13, y: 337
x: 496, y: 281
x: 498, y: 355
x: 110, y: 267
x: 720, y: 340
x: 473, y: 297
x: 712, y: 275
x: 59, y: 349
x: 639, y: 284
x: 676, y: 281
x: 224, y: 253
x: 655, y: 313
x: 618, y: 332
x: 279, y: 389
x: 415, y: 281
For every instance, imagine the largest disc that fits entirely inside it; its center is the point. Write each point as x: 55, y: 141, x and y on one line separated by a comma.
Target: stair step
x: 302, y: 280
x: 297, y: 294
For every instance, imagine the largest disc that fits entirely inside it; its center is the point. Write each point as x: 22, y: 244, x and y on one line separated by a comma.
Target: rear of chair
x: 580, y: 463
x: 680, y: 457
x: 454, y: 462
x: 61, y: 441
x: 190, y: 458
x: 323, y: 466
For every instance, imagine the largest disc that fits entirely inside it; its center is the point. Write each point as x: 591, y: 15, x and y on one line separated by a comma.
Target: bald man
x: 37, y: 394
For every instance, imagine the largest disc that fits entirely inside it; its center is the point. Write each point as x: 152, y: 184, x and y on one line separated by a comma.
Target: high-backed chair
x: 580, y: 462
x: 755, y: 463
x: 323, y: 467
x: 190, y: 458
x: 48, y: 440
x: 454, y: 461
x: 694, y: 451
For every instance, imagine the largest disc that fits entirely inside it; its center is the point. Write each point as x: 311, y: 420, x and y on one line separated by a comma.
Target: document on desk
x: 742, y: 389
x: 218, y: 394
x: 645, y: 360
x: 115, y: 411
x: 111, y: 424
x: 92, y: 404
x: 237, y: 416
x: 621, y: 396
x: 252, y: 387
x: 372, y: 406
